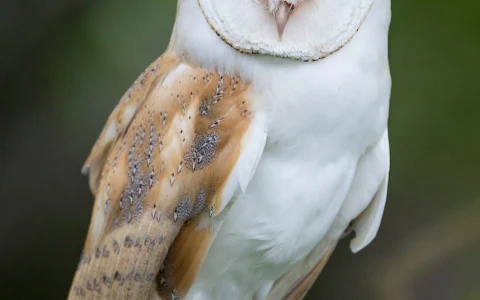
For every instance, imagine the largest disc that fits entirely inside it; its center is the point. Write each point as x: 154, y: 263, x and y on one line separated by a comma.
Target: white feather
x: 377, y: 167
x: 252, y: 148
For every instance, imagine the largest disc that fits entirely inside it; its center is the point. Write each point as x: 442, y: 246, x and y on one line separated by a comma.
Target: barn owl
x: 238, y: 159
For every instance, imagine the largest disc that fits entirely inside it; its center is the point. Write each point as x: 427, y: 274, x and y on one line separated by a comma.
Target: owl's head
x: 298, y: 29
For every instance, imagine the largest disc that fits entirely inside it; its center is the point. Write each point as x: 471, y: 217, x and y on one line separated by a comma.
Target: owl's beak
x: 281, y: 17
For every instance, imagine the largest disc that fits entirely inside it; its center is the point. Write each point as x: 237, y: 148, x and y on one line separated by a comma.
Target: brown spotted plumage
x: 158, y: 171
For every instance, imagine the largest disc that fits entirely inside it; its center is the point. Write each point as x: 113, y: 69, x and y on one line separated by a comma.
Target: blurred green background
x: 64, y: 64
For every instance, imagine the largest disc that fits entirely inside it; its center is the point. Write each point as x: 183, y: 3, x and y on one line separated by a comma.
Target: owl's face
x: 297, y: 29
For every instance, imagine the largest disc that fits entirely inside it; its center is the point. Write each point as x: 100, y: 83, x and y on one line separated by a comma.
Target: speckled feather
x: 157, y: 171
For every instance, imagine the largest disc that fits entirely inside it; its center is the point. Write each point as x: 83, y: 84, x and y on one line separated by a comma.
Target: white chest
x: 321, y: 120
x: 316, y: 134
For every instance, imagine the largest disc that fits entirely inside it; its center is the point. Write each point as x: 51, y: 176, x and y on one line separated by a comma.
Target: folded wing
x: 173, y: 153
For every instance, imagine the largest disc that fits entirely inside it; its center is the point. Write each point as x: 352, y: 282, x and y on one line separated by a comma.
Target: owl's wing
x: 371, y: 180
x: 173, y: 153
x: 375, y: 163
x: 297, y: 282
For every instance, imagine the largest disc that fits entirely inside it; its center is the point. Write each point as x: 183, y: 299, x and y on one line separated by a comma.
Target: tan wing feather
x: 158, y: 171
x: 123, y: 114
x: 295, y: 284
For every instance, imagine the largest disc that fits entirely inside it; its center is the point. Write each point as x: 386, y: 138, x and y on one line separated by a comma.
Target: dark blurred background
x: 64, y: 64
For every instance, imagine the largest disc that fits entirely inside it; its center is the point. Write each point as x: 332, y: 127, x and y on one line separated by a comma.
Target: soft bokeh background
x: 65, y: 63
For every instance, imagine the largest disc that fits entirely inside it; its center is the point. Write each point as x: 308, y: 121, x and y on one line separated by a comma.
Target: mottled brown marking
x: 203, y: 151
x: 107, y: 281
x: 148, y: 160
x: 128, y: 242
x: 116, y: 247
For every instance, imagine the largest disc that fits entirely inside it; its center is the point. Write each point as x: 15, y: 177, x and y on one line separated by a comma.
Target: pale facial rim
x: 257, y: 52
